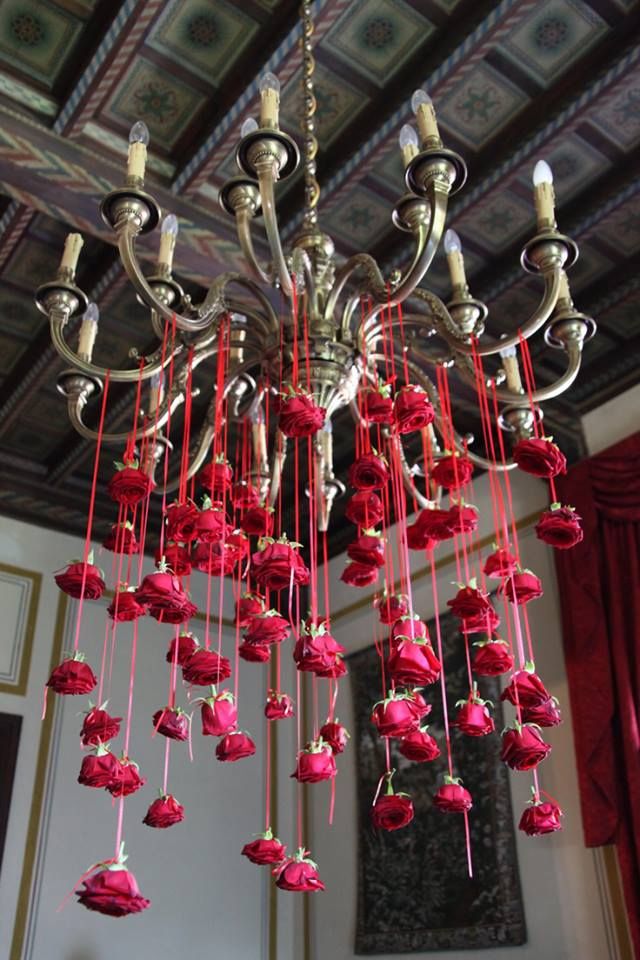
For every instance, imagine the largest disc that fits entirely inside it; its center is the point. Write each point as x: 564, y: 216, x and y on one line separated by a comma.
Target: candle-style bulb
x: 452, y: 242
x: 170, y: 225
x: 156, y: 391
x: 168, y: 234
x: 408, y: 136
x: 88, y: 331
x: 419, y: 98
x: 422, y: 106
x: 92, y: 313
x: 543, y: 196
x: 137, y: 156
x: 455, y: 262
x: 542, y: 173
x: 139, y: 133
x: 269, y: 81
x: 248, y: 127
x: 269, y: 100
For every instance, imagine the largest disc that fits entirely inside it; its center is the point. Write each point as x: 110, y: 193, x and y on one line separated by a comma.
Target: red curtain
x: 599, y: 583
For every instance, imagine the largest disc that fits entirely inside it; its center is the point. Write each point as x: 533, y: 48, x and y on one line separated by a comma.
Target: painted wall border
x: 19, y: 689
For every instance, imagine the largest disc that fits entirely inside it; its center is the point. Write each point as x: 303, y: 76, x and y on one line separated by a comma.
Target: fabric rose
x: 205, y: 667
x: 337, y: 670
x: 521, y: 587
x: 399, y: 714
x: 486, y: 622
x: 127, y: 779
x: 367, y: 549
x: 540, y: 817
x: 452, y: 471
x: 413, y: 663
x: 99, y: 726
x: 265, y: 850
x: 469, y: 602
x: 181, y: 648
x: 171, y: 722
x: 277, y: 565
x: 99, y: 769
x: 121, y: 539
x: 112, y: 890
x: 409, y: 627
x: 419, y: 746
x: 81, y: 580
x: 523, y: 747
x: 249, y: 605
x: 473, y: 717
x: 162, y: 594
x: 255, y: 652
x: 219, y: 714
x: 211, y: 524
x: 546, y: 714
x: 452, y: 797
x: 298, y: 874
x: 216, y: 559
x: 375, y: 404
x: 560, y: 527
x: 129, y: 485
x: 124, y: 607
x: 434, y: 524
x: 244, y: 495
x: 336, y: 735
x: 235, y: 746
x: 500, y: 563
x: 540, y: 457
x: 412, y: 409
x: 368, y: 472
x: 492, y: 658
x: 364, y: 509
x: 315, y: 763
x: 216, y: 476
x: 391, y: 811
x: 238, y: 543
x: 316, y: 650
x: 391, y: 607
x: 526, y: 689
x: 258, y: 520
x: 177, y: 558
x: 164, y: 812
x: 359, y: 574
x: 279, y: 706
x: 299, y: 414
x: 463, y: 518
x: 418, y: 538
x: 72, y: 677
x: 267, y: 627
x: 181, y: 522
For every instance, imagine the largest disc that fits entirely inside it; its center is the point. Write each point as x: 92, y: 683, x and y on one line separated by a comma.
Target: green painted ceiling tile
x: 37, y: 38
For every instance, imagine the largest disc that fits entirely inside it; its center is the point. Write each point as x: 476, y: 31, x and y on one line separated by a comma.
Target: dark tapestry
x: 414, y: 894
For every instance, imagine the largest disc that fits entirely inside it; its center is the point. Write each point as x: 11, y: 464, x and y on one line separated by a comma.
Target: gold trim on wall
x: 619, y: 916
x: 19, y: 689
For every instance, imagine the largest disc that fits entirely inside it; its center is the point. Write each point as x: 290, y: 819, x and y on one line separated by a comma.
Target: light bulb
x: 542, y: 173
x: 92, y: 313
x: 508, y: 352
x: 248, y: 127
x: 408, y: 137
x: 269, y: 81
x: 170, y: 225
x: 452, y: 242
x: 88, y: 331
x: 419, y: 98
x: 156, y: 379
x: 139, y: 133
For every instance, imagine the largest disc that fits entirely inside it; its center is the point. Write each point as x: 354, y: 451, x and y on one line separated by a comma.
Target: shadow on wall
x: 81, y: 953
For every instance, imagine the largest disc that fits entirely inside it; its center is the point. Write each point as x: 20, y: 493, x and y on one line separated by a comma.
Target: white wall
x: 613, y: 421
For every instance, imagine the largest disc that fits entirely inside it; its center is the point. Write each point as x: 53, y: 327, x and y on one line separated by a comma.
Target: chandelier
x: 291, y: 343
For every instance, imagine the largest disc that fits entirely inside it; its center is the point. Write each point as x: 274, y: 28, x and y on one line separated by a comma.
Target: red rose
x: 300, y: 416
x: 112, y: 891
x: 523, y: 747
x: 99, y: 726
x: 521, y: 587
x: 419, y: 746
x: 335, y: 735
x: 266, y: 850
x: 238, y: 542
x: 127, y: 779
x: 315, y: 763
x: 473, y: 718
x: 268, y: 627
x: 176, y: 557
x: 469, y: 602
x: 452, y: 471
x: 316, y: 650
x: 81, y: 580
x: 482, y: 623
x: 367, y: 549
x: 276, y: 565
x: 368, y: 472
x: 216, y: 475
x: 72, y: 677
x: 172, y: 722
x: 525, y: 689
x: 186, y: 645
x: 258, y: 521
x: 545, y: 714
x: 121, y: 539
x: 279, y: 706
x: 539, y: 818
x: 492, y: 658
x: 539, y: 457
x: 124, y: 607
x: 364, y: 509
x: 560, y: 527
x: 434, y: 524
x: 409, y: 627
x: 500, y: 563
x: 298, y: 874
x: 205, y: 667
x: 129, y: 485
x: 463, y: 518
x: 375, y: 404
x: 244, y: 496
x: 255, y: 652
x: 359, y: 575
x: 399, y: 714
x: 412, y: 409
x: 167, y: 601
x: 211, y: 525
x: 219, y: 715
x: 452, y: 797
x: 413, y: 663
x: 391, y: 608
x: 216, y: 559
x: 337, y: 669
x: 249, y: 605
x: 418, y: 538
x: 181, y: 521
x: 164, y: 812
x: 392, y: 811
x: 235, y: 746
x: 100, y: 769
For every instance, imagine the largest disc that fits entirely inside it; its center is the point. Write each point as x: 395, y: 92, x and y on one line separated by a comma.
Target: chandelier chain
x: 311, y: 185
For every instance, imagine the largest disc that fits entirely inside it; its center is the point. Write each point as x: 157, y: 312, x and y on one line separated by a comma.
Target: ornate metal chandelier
x: 335, y: 334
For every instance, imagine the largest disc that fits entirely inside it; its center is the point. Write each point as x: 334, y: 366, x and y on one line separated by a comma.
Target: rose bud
x: 435, y: 524
x: 359, y: 574
x: 171, y: 722
x: 368, y: 472
x: 127, y: 779
x: 181, y: 648
x: 560, y: 527
x: 315, y: 763
x: 181, y: 521
x: 249, y: 605
x: 452, y: 471
x: 391, y: 811
x: 112, y: 890
x: 412, y: 409
x: 99, y: 769
x: 258, y: 520
x: 298, y: 874
x: 335, y: 671
x: 540, y: 457
x: 523, y: 747
x: 316, y: 650
x: 244, y: 495
x: 99, y: 726
x: 469, y: 602
x: 375, y: 404
x: 521, y: 587
x: 526, y: 689
x: 500, y: 563
x: 418, y: 538
x: 367, y: 549
x: 492, y: 658
x: 164, y: 812
x: 81, y: 580
x: 177, y: 558
x: 399, y: 714
x: 205, y: 667
x: 364, y: 509
x: 545, y: 714
x: 409, y: 626
x: 539, y: 818
x: 211, y: 525
x: 238, y: 543
x: 219, y: 714
x: 72, y: 677
x: 391, y: 608
x: 215, y: 559
x: 124, y: 607
x: 216, y: 475
x: 452, y: 797
x: 299, y: 415
x: 333, y: 733
x: 413, y: 663
x: 279, y: 706
x: 277, y: 565
x: 267, y: 627
x: 419, y: 746
x: 129, y: 485
x: 255, y: 652
x: 266, y: 850
x: 481, y: 623
x: 463, y: 518
x: 473, y: 717
x: 121, y: 539
x: 235, y: 746
x: 165, y: 598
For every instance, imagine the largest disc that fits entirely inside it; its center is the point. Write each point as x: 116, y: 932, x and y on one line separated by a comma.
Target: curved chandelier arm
x: 408, y: 477
x: 243, y: 227
x: 427, y: 240
x: 205, y: 439
x: 266, y: 180
x: 76, y: 403
x: 217, y: 302
x: 277, y: 467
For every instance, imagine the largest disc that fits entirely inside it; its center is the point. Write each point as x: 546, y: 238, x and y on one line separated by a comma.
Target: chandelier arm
x: 555, y: 389
x: 243, y: 227
x: 427, y: 242
x: 205, y: 439
x: 407, y: 476
x: 216, y: 302
x: 277, y: 466
x: 77, y: 402
x: 266, y: 180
